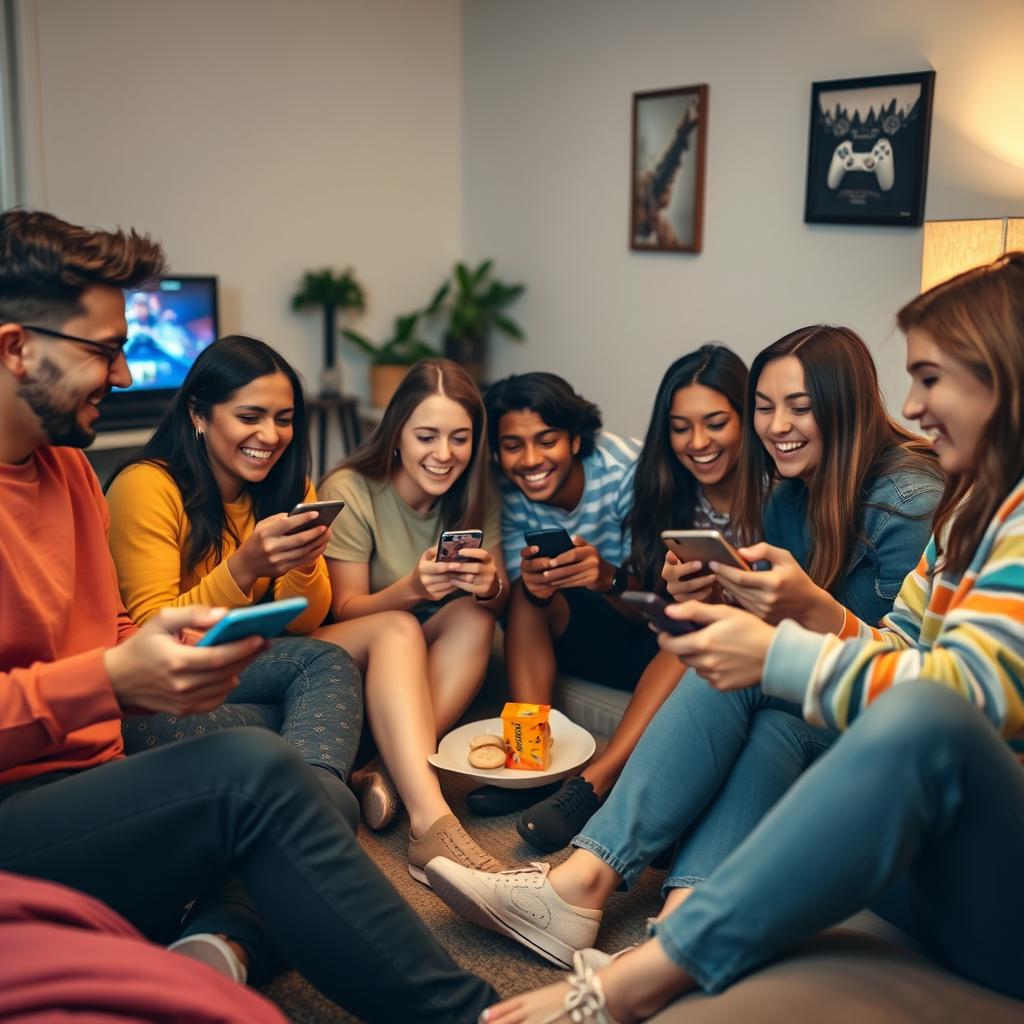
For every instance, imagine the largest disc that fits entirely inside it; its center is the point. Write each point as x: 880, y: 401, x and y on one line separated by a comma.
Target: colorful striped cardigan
x: 961, y: 631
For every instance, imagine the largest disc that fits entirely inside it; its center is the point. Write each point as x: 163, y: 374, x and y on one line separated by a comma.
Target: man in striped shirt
x: 560, y: 470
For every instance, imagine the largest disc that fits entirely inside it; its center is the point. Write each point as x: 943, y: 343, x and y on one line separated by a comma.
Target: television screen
x: 168, y: 326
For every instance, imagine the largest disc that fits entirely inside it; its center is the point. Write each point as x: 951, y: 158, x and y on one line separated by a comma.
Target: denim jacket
x: 894, y: 545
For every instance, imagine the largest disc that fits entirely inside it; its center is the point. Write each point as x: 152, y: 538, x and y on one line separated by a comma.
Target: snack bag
x: 527, y: 736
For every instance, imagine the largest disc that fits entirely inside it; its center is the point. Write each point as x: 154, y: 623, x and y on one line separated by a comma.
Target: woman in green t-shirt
x: 422, y: 629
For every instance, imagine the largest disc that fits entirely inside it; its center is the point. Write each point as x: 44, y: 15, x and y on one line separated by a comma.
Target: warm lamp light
x: 953, y: 246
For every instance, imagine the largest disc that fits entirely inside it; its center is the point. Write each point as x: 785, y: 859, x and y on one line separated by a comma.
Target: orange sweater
x: 59, y: 610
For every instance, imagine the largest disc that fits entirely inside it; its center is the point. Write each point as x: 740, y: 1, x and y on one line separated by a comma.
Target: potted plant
x: 334, y: 292
x: 474, y: 307
x: 391, y: 359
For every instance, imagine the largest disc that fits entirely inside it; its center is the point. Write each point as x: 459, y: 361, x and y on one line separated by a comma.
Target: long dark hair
x: 978, y: 319
x: 860, y: 441
x: 221, y: 370
x: 664, y: 492
x: 464, y: 505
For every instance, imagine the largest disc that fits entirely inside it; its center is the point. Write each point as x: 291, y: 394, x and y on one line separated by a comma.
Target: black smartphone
x: 549, y: 543
x: 652, y: 608
x: 326, y: 511
x: 453, y: 541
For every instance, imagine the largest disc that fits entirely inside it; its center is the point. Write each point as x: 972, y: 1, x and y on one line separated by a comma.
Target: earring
x: 397, y: 453
x: 199, y: 437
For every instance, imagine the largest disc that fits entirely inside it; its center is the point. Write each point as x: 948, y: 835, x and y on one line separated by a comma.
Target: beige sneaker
x: 520, y: 903
x: 447, y: 838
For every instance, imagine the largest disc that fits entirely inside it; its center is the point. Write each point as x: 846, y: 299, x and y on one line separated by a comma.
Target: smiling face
x: 539, y: 459
x: 784, y: 421
x: 949, y: 402
x: 704, y: 432
x: 246, y: 435
x: 435, y: 447
x: 65, y: 381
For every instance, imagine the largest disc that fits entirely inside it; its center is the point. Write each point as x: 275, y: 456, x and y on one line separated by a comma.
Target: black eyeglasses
x: 109, y: 352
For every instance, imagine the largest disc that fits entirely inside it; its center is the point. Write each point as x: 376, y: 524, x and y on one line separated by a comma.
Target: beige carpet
x: 505, y: 964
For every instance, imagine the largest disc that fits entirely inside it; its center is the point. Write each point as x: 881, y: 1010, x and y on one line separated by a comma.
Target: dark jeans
x: 921, y: 789
x: 145, y: 834
x: 308, y: 691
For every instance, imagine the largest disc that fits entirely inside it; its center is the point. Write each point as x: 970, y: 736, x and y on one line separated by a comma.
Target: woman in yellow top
x: 200, y: 516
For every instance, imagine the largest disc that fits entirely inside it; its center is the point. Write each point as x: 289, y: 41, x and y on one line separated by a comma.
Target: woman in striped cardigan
x: 925, y: 790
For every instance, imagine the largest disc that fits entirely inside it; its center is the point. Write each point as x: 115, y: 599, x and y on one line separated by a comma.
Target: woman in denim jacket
x: 845, y: 497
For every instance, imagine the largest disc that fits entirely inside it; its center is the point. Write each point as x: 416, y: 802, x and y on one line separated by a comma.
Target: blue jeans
x: 921, y: 789
x: 707, y: 768
x: 308, y: 691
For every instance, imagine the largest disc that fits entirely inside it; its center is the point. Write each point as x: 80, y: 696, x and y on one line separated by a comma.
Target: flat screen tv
x: 169, y: 324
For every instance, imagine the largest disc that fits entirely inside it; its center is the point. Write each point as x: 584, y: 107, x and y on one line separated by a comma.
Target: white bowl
x: 573, y: 747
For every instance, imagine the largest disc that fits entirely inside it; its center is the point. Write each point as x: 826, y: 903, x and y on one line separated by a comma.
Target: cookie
x: 487, y: 739
x: 487, y: 756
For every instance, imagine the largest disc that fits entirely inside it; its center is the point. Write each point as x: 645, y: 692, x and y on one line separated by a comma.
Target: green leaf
x: 481, y: 272
x: 364, y: 343
x: 508, y: 326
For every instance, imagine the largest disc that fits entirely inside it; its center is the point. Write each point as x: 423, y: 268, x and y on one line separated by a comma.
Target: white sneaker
x: 585, y: 1001
x: 213, y: 951
x: 521, y: 904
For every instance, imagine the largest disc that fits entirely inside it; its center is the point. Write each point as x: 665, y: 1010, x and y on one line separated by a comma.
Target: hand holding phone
x: 326, y: 513
x: 549, y: 543
x: 452, y: 542
x: 152, y: 671
x: 652, y: 608
x: 265, y: 620
x: 277, y: 545
x: 688, y: 581
x: 703, y: 546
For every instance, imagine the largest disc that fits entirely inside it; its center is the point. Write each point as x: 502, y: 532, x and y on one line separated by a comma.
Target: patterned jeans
x: 308, y: 691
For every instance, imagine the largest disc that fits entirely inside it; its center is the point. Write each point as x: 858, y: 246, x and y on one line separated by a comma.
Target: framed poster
x: 867, y: 159
x: 669, y: 146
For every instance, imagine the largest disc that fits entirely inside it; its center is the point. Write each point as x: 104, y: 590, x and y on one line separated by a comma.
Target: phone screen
x: 453, y: 541
x: 549, y: 543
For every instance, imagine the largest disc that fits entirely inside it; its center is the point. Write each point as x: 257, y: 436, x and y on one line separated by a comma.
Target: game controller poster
x: 868, y: 150
x: 667, y: 194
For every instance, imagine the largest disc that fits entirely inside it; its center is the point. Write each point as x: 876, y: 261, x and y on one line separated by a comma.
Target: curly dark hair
x: 551, y: 398
x: 46, y: 264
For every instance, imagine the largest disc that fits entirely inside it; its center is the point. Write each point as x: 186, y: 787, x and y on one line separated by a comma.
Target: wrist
x: 614, y: 579
x: 244, y: 579
x: 498, y: 587
x: 537, y: 602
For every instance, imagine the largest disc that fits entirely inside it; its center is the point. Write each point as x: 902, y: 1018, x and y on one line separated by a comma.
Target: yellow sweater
x: 148, y: 534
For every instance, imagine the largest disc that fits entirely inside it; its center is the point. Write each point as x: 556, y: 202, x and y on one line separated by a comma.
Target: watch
x: 619, y: 582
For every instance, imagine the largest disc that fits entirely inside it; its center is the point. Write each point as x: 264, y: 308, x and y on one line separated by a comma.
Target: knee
x: 921, y: 716
x: 469, y: 615
x: 320, y: 659
x: 249, y: 754
x: 403, y: 630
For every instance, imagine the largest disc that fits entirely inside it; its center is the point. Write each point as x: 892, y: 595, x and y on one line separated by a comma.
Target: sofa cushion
x: 844, y: 977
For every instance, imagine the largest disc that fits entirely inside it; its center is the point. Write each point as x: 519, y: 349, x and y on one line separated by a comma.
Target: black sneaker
x: 551, y: 824
x: 491, y: 800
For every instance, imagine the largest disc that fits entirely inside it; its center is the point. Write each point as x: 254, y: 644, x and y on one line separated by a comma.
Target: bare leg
x: 636, y: 986
x: 529, y: 645
x: 675, y: 899
x: 657, y: 682
x: 459, y: 639
x: 584, y: 880
x: 391, y: 649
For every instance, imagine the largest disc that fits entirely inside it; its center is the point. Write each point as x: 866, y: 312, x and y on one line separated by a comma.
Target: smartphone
x: 702, y: 546
x: 549, y: 543
x: 258, y: 620
x: 326, y: 512
x: 453, y: 541
x: 652, y: 608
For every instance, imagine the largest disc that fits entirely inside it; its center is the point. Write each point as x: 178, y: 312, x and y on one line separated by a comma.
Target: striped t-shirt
x: 965, y: 632
x: 599, y: 517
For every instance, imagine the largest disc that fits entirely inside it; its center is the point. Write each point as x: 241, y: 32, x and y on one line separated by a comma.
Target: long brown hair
x: 464, y: 504
x: 978, y: 319
x: 860, y: 441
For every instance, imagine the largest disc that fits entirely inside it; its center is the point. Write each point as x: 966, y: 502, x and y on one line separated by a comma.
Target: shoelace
x: 508, y: 877
x: 465, y: 847
x: 585, y: 1001
x: 573, y: 796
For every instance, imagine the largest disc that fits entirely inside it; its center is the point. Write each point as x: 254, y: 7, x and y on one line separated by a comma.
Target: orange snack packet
x: 527, y: 736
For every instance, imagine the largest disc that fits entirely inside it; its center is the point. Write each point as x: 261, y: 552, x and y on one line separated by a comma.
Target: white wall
x: 547, y: 108
x: 257, y: 139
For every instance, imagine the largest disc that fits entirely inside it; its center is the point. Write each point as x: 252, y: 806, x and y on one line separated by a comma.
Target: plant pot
x: 384, y: 379
x: 469, y: 350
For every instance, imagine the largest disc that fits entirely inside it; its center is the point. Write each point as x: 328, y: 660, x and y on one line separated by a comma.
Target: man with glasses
x: 149, y: 833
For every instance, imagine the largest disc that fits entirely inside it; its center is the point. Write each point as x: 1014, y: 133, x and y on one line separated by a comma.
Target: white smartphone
x: 702, y: 546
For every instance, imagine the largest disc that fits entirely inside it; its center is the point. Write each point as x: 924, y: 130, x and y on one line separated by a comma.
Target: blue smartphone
x: 259, y: 620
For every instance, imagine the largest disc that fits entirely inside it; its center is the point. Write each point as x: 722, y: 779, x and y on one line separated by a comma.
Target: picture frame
x: 669, y: 153
x: 867, y: 150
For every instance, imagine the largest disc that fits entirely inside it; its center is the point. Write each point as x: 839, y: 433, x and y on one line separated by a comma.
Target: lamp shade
x: 953, y: 246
